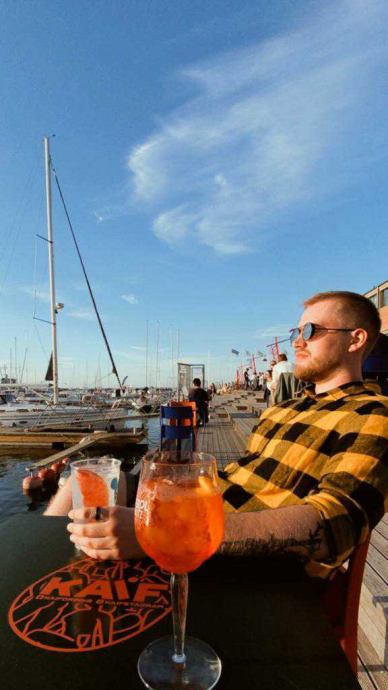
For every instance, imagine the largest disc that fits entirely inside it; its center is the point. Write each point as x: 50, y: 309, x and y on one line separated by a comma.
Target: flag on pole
x: 235, y: 352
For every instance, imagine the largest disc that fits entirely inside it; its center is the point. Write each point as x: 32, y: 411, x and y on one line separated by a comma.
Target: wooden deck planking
x: 222, y: 436
x: 373, y: 627
x: 220, y: 439
x: 372, y: 670
x: 382, y: 527
x: 380, y: 543
x: 373, y: 612
x: 377, y: 561
x: 244, y: 426
x: 372, y: 620
x: 363, y: 678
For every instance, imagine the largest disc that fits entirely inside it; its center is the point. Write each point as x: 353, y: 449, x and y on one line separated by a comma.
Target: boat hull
x: 58, y: 418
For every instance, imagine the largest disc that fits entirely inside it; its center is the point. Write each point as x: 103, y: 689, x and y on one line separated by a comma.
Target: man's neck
x: 339, y: 379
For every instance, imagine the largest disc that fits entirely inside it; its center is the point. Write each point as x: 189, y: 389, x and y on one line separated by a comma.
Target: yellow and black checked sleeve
x: 352, y: 494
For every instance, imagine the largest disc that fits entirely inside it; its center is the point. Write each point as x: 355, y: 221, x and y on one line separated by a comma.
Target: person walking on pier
x: 198, y: 395
x: 267, y: 387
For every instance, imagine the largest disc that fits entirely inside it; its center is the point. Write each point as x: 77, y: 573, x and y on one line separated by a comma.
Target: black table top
x: 69, y: 622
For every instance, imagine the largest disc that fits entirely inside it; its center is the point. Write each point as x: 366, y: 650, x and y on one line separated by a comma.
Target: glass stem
x: 179, y: 592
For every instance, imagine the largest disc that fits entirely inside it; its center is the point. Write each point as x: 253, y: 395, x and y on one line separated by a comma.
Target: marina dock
x: 99, y: 440
x: 29, y: 438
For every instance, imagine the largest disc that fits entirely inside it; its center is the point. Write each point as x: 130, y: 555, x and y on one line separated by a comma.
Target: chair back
x: 176, y: 424
x: 185, y: 403
x: 341, y: 601
x: 286, y: 388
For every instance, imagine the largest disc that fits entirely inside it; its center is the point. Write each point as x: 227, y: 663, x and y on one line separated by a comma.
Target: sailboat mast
x: 146, y: 369
x: 51, y: 268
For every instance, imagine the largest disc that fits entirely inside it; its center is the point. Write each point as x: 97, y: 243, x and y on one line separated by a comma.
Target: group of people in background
x: 278, y: 383
x: 269, y: 381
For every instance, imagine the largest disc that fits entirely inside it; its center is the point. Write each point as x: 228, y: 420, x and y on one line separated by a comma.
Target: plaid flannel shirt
x: 328, y: 451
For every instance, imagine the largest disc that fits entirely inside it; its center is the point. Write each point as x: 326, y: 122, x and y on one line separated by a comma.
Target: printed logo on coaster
x: 89, y: 605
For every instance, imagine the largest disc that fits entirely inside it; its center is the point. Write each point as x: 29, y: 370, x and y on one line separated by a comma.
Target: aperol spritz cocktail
x: 179, y: 519
x: 179, y: 522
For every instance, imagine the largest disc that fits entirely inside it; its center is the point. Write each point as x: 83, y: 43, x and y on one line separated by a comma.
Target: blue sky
x: 221, y: 162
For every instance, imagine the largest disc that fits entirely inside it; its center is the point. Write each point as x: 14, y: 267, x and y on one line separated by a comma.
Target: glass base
x: 158, y: 671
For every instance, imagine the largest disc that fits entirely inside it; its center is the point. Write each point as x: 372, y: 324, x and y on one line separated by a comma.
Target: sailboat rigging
x: 114, y: 368
x: 51, y: 269
x: 11, y: 413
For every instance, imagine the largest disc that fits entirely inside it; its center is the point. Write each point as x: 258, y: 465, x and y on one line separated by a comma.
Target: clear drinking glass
x: 94, y: 482
x: 179, y: 522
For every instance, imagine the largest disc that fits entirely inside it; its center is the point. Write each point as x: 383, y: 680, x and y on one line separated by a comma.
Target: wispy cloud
x: 132, y: 279
x: 80, y: 287
x: 109, y: 213
x: 273, y: 125
x: 98, y: 216
x: 279, y: 330
x: 131, y: 299
x: 83, y: 314
x: 136, y: 355
x: 117, y: 206
x: 66, y: 362
x: 41, y: 295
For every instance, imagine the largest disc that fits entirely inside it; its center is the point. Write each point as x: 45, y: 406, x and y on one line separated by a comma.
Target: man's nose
x: 299, y: 342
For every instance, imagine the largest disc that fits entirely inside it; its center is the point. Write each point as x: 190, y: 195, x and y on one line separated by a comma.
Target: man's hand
x: 111, y: 538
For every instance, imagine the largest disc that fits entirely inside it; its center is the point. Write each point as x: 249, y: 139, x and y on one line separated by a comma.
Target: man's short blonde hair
x: 358, y: 312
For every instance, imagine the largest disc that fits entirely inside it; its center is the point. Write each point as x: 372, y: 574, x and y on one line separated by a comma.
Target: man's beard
x: 314, y: 371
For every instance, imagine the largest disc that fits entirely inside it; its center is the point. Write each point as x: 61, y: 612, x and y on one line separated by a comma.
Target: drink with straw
x: 179, y: 522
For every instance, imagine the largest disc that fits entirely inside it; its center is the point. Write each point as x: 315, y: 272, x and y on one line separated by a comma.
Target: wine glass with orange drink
x: 179, y: 522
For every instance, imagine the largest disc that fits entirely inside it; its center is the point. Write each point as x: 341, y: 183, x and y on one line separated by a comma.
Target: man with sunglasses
x: 314, y: 480
x: 316, y: 466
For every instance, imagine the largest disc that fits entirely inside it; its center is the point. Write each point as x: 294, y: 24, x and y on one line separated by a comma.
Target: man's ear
x: 359, y: 338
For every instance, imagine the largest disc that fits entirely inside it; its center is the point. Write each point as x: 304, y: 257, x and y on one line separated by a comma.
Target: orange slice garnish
x: 206, y: 486
x: 93, y: 489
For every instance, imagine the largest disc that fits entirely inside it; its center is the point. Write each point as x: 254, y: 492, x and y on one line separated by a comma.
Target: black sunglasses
x: 310, y: 329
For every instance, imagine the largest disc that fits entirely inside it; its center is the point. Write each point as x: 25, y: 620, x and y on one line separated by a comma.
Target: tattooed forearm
x: 306, y: 548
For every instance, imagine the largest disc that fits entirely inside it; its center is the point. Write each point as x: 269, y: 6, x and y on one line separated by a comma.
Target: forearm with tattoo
x: 280, y: 531
x: 274, y: 546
